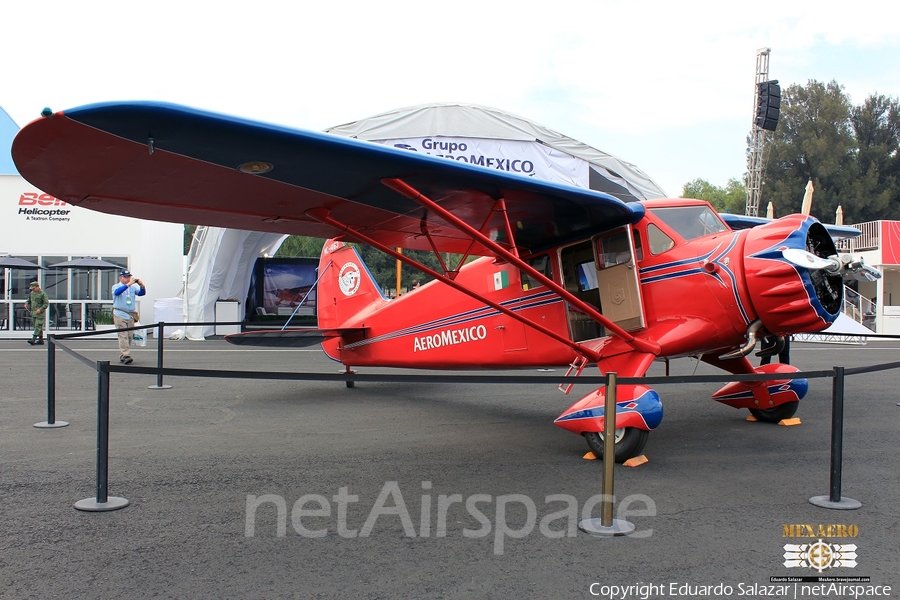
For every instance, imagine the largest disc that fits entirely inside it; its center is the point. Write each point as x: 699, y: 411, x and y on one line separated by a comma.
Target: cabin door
x: 617, y: 279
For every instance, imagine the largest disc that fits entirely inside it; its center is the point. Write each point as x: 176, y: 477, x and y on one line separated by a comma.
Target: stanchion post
x: 834, y: 499
x: 606, y: 525
x: 609, y: 451
x: 102, y: 502
x: 51, y: 422
x: 102, y: 433
x: 159, y: 360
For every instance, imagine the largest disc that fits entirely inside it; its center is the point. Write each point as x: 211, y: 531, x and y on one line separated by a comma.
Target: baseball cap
x: 33, y: 285
x: 125, y: 273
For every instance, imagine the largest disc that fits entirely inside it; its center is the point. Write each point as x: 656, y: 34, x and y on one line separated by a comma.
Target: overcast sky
x: 668, y: 86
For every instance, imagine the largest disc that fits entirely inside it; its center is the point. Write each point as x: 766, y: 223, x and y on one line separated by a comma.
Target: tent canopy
x: 8, y: 130
x: 607, y: 173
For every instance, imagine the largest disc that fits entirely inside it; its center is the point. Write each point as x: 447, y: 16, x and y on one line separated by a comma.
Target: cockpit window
x: 542, y: 265
x: 690, y: 221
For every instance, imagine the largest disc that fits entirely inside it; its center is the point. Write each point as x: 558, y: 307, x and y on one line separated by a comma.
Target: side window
x: 659, y: 241
x: 542, y: 265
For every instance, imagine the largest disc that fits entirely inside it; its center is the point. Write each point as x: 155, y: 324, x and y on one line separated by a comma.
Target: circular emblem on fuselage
x: 348, y: 279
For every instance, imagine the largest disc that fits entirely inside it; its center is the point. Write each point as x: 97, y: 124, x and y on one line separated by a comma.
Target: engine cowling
x: 789, y: 298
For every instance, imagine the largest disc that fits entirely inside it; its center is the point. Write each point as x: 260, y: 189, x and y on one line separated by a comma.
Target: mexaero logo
x: 349, y: 278
x: 822, y: 554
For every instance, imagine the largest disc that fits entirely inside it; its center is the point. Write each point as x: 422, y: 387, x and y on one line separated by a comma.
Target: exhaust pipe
x: 747, y: 348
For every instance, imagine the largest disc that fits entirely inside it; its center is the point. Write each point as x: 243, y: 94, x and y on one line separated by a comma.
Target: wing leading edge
x: 170, y: 163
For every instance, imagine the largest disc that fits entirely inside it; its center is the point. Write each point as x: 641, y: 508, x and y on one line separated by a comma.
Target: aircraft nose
x: 788, y: 276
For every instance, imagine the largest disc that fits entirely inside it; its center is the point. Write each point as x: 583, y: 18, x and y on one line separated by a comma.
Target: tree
x: 299, y: 246
x: 730, y: 199
x: 384, y: 267
x: 876, y: 125
x: 188, y: 237
x: 851, y: 154
x: 814, y: 141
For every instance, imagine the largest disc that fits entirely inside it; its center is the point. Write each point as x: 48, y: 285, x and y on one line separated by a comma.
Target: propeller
x: 863, y: 272
x: 843, y: 264
x: 808, y: 260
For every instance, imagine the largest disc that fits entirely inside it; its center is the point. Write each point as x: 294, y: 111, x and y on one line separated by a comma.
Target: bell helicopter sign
x: 34, y: 206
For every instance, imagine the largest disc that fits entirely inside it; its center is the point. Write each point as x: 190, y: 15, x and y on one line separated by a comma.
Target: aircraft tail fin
x: 346, y: 287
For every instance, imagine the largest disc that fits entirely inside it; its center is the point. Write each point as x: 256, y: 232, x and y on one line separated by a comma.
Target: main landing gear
x: 775, y: 414
x: 638, y: 412
x: 629, y: 442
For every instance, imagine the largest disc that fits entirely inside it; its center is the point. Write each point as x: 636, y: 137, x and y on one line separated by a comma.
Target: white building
x: 879, y: 246
x: 44, y: 230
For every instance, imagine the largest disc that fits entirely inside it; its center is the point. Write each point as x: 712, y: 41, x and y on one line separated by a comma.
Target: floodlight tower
x: 766, y: 106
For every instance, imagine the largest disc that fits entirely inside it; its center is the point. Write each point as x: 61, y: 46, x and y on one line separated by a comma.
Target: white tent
x: 219, y: 266
x: 221, y: 261
x: 496, y: 139
x: 844, y: 330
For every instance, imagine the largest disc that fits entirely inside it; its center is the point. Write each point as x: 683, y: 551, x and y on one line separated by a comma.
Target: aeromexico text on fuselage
x: 463, y: 322
x: 449, y: 337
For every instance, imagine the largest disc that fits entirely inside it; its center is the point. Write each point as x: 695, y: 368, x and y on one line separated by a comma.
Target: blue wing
x: 170, y: 163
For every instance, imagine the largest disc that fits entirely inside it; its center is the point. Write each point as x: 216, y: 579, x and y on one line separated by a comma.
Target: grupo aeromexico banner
x: 514, y: 156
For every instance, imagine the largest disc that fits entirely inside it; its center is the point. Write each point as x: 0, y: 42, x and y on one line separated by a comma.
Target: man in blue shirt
x: 125, y: 310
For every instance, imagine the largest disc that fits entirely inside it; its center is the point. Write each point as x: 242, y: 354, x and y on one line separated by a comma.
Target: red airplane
x: 567, y: 276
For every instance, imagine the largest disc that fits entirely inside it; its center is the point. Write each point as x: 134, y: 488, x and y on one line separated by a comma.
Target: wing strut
x: 323, y: 216
x: 499, y: 206
x: 410, y: 192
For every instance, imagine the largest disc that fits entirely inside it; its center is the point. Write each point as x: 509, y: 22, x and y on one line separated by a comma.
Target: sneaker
x: 127, y: 360
x: 38, y: 343
x: 122, y: 358
x: 31, y: 341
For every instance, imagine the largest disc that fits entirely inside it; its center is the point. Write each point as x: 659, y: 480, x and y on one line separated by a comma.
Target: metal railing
x: 868, y: 240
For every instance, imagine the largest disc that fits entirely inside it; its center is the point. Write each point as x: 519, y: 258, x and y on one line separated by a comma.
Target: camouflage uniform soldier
x: 37, y: 303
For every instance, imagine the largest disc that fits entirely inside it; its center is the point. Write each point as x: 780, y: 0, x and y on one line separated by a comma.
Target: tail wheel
x: 775, y: 414
x: 629, y: 442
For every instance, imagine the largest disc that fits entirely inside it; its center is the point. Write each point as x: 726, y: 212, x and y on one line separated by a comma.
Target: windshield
x: 690, y: 221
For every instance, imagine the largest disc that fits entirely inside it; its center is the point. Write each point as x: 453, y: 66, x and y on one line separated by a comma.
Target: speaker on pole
x: 768, y: 104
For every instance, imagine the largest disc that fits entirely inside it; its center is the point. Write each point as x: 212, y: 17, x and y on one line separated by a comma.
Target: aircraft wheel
x: 774, y: 415
x: 629, y: 442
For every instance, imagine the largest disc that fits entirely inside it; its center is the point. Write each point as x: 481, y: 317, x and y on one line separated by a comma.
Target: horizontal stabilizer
x: 288, y: 338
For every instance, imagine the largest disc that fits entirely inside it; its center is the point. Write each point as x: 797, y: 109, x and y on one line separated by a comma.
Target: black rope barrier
x: 102, y: 502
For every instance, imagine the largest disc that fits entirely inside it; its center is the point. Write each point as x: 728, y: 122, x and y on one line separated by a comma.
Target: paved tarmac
x: 286, y: 489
